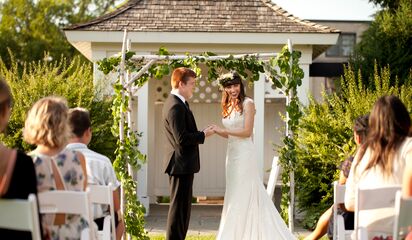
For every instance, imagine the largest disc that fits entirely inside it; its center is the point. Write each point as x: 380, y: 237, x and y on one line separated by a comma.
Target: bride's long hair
x: 226, y: 100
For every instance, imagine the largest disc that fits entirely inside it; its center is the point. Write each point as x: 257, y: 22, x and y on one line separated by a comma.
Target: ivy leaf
x: 129, y: 55
x: 207, y: 54
x: 163, y: 51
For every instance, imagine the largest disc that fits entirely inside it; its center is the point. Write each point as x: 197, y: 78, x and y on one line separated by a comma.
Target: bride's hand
x: 217, y: 129
x: 208, y: 131
x: 213, y: 127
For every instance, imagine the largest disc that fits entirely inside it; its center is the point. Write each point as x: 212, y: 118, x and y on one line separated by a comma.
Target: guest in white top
x: 407, y: 177
x: 381, y: 160
x: 99, y: 168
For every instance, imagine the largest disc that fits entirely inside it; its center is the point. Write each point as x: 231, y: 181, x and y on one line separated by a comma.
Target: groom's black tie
x: 187, y: 105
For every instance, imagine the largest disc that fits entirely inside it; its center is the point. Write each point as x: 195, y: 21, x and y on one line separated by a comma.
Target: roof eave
x: 203, y: 37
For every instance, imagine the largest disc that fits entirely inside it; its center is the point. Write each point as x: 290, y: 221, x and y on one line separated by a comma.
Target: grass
x: 190, y: 237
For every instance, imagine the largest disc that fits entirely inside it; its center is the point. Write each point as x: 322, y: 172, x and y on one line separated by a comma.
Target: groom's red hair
x: 181, y: 74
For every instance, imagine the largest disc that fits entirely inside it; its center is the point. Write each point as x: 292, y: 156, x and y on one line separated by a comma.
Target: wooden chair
x: 104, y: 195
x: 372, y: 198
x: 339, y: 231
x: 273, y: 177
x: 68, y: 202
x: 20, y: 215
x: 403, y: 216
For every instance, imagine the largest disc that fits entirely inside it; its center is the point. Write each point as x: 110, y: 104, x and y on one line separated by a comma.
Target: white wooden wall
x: 210, y: 181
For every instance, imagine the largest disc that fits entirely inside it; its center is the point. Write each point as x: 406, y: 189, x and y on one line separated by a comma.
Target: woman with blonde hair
x: 382, y: 160
x: 17, y: 174
x: 57, y: 168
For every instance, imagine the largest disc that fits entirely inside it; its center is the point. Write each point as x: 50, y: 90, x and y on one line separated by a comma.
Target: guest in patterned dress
x: 57, y: 168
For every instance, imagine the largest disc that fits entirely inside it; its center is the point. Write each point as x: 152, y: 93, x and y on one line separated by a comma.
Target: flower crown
x: 229, y: 78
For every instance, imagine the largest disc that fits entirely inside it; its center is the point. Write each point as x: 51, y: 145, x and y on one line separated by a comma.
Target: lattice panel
x: 271, y: 91
x: 205, y: 92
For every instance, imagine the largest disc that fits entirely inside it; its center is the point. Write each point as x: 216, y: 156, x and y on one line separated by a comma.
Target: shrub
x: 72, y: 80
x: 324, y: 137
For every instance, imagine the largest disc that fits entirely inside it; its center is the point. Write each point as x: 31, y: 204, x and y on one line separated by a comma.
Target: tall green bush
x: 72, y: 80
x: 324, y: 137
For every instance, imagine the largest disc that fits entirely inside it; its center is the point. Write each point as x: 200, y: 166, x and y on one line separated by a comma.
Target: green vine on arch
x: 249, y: 66
x: 286, y: 74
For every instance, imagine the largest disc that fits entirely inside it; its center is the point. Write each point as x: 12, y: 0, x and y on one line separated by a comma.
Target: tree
x: 388, y: 4
x: 31, y: 28
x: 387, y: 42
x: 72, y: 80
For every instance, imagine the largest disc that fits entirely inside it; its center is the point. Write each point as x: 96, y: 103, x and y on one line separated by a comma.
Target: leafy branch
x: 286, y: 75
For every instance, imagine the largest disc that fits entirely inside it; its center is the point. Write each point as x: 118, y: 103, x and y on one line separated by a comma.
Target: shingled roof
x: 246, y: 16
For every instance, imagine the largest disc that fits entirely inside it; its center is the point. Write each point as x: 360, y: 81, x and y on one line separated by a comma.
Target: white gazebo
x: 222, y: 27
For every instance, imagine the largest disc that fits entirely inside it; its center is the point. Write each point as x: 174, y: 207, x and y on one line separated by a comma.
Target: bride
x: 248, y: 212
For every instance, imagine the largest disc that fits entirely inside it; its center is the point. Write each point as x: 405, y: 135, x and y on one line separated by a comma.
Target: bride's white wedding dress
x: 248, y: 212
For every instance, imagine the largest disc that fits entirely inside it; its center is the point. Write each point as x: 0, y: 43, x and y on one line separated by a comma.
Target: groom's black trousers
x: 180, y: 206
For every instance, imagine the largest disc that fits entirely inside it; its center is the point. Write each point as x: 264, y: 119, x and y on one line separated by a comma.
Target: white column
x: 304, y: 89
x: 259, y: 131
x: 100, y: 80
x: 143, y: 126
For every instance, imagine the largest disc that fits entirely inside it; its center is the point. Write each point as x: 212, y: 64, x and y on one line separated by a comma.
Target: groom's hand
x: 208, y: 131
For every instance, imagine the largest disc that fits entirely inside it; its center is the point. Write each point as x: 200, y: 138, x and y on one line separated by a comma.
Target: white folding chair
x: 68, y: 202
x: 339, y: 231
x: 372, y: 198
x: 273, y: 177
x: 20, y: 215
x: 100, y: 194
x: 403, y: 216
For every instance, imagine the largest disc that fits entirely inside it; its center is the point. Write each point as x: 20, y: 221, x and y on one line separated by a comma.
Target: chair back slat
x: 68, y: 202
x: 20, y: 215
x: 403, y: 215
x: 372, y: 199
x: 338, y: 198
x: 100, y: 194
x: 62, y: 201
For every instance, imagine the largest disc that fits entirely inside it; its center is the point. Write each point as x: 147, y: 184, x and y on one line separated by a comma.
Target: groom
x: 181, y: 161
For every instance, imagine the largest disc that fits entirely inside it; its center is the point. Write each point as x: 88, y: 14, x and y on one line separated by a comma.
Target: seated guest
x: 325, y: 222
x: 407, y: 178
x: 407, y: 184
x: 17, y: 174
x: 57, y: 168
x: 99, y: 168
x: 381, y: 160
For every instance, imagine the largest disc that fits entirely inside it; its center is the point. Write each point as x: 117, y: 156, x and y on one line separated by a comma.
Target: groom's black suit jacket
x: 183, y: 138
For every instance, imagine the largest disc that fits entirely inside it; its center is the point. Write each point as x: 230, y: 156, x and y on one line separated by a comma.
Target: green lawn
x: 191, y: 237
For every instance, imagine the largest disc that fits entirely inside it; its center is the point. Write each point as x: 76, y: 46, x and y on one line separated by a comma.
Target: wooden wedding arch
x: 135, y: 70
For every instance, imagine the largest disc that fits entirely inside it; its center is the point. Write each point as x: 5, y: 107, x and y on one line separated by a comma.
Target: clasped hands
x: 212, y: 129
